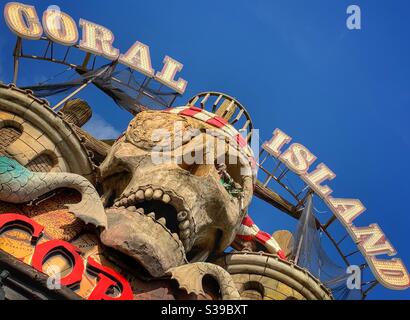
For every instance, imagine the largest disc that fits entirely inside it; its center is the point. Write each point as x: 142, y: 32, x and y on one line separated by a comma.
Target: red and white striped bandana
x: 218, y: 122
x: 249, y: 231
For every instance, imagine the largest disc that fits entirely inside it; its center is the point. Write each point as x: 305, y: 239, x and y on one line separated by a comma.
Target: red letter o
x: 45, y: 249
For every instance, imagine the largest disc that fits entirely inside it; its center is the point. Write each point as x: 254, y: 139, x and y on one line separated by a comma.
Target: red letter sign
x: 9, y: 219
x: 45, y: 249
x: 108, y: 278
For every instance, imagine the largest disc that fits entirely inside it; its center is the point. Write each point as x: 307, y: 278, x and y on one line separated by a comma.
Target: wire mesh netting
x: 309, y: 254
x: 130, y: 90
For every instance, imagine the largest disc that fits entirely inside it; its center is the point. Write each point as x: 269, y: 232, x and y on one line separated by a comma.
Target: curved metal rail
x: 226, y: 107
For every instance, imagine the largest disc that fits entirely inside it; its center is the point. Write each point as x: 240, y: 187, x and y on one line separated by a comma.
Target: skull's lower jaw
x: 144, y: 239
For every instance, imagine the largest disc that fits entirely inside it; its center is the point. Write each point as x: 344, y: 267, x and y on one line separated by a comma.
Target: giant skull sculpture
x: 164, y: 210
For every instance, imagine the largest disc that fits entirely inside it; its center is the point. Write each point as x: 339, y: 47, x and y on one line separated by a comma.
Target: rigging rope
x: 55, y: 76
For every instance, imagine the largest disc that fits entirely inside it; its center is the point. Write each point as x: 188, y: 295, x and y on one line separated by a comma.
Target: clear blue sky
x: 294, y: 65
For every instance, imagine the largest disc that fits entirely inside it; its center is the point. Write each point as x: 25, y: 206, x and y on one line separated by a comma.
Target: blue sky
x: 295, y: 66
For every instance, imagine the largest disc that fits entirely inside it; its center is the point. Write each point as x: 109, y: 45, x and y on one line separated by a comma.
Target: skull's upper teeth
x: 139, y: 195
x: 182, y: 215
x: 166, y: 198
x: 157, y: 194
x: 132, y: 198
x: 184, y: 225
x: 149, y: 193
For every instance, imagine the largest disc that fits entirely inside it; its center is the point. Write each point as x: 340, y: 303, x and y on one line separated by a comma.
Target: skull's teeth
x: 157, y: 195
x: 183, y: 215
x: 185, y: 223
x: 132, y: 198
x: 166, y: 198
x: 139, y: 195
x: 186, y: 228
x: 149, y: 193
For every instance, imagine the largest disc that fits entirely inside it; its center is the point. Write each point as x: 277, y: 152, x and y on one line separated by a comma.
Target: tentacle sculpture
x: 189, y: 278
x: 20, y: 185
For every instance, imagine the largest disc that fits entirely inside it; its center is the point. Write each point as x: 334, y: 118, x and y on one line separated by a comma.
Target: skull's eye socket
x: 195, y: 164
x: 234, y: 171
x: 230, y: 177
x: 199, y: 170
x: 232, y: 166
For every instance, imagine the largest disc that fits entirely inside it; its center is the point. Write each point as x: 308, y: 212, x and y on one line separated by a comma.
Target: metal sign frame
x: 50, y: 56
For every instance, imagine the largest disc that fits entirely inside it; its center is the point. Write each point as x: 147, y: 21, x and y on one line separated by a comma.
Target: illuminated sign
x: 59, y: 27
x: 370, y: 240
x: 41, y: 249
